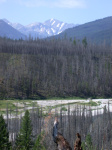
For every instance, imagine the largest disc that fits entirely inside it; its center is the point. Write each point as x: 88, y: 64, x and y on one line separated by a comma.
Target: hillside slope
x: 8, y: 31
x: 96, y: 31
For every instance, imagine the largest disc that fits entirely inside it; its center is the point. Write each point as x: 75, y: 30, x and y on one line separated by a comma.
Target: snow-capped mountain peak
x: 48, y: 28
x: 51, y: 20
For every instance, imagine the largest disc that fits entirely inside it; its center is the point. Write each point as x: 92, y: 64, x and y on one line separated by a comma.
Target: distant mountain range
x: 98, y: 31
x: 42, y: 30
x: 9, y: 32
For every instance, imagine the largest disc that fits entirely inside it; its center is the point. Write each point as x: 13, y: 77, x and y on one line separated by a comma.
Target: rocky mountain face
x: 42, y: 30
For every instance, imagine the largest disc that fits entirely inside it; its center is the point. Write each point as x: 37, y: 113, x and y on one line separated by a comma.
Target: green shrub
x: 64, y: 109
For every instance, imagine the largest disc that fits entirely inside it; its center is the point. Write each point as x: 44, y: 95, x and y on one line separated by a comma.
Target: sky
x: 68, y: 11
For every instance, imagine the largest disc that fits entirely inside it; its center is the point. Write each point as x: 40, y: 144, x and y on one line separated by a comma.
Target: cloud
x: 54, y: 3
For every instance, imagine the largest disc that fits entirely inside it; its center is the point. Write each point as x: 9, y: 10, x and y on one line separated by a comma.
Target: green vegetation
x: 84, y: 42
x: 87, y: 145
x: 20, y: 104
x: 89, y: 104
x: 39, y: 144
x: 4, y: 135
x: 92, y: 103
x: 15, y: 104
x: 64, y: 109
x: 99, y: 102
x: 74, y: 41
x: 24, y: 138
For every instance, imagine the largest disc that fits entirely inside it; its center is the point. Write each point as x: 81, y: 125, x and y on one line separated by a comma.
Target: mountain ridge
x: 50, y: 27
x: 8, y: 31
x: 96, y: 31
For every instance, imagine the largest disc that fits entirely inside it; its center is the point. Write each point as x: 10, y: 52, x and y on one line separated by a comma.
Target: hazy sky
x: 69, y: 11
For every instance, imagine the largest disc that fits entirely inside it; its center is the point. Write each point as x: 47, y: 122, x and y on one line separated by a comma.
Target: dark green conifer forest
x: 4, y: 135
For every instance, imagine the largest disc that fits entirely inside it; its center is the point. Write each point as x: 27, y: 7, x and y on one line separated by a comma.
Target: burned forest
x: 40, y: 69
x: 49, y: 68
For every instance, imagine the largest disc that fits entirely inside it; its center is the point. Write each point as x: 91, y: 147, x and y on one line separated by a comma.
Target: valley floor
x: 54, y: 105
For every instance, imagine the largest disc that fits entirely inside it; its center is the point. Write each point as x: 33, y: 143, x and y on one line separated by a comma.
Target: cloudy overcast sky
x: 69, y: 11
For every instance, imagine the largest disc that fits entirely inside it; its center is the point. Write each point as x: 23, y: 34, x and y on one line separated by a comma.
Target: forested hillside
x: 56, y: 68
x: 96, y: 31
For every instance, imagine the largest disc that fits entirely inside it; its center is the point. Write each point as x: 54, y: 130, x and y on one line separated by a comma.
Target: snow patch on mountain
x: 59, y: 32
x: 58, y: 25
x: 62, y: 25
x: 53, y: 23
x: 48, y: 32
x: 53, y: 30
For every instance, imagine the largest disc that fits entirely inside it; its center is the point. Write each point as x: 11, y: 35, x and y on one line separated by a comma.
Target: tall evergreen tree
x: 4, y: 135
x: 74, y: 41
x: 88, y: 145
x: 24, y: 141
x: 84, y: 42
x: 38, y: 143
